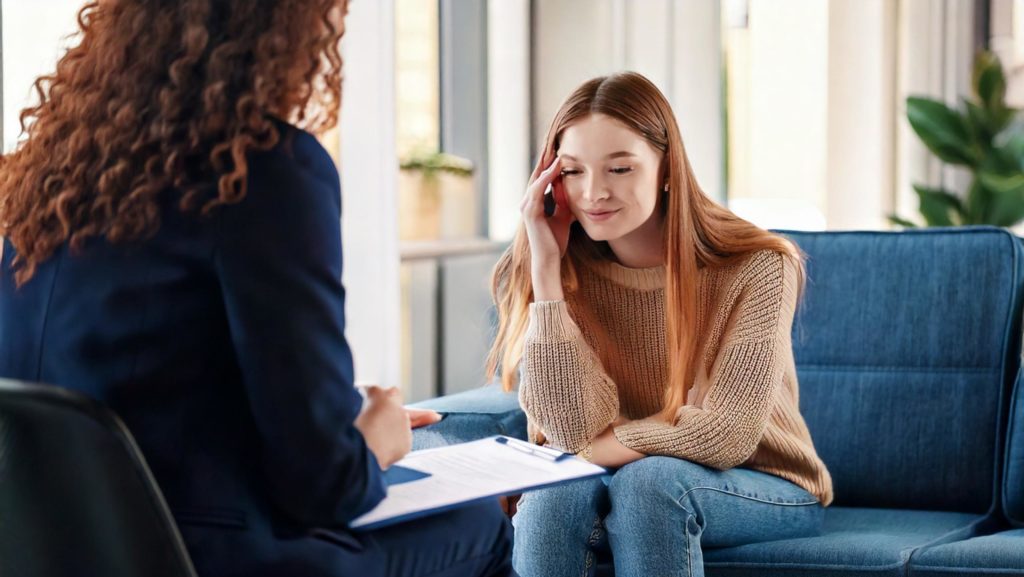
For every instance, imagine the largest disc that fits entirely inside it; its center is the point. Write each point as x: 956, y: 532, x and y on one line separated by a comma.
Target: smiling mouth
x: 601, y: 215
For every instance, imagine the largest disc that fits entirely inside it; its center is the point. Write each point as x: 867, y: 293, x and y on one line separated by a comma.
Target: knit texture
x: 580, y: 372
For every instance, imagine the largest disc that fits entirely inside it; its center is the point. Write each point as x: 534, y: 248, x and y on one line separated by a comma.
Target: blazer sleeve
x: 279, y: 262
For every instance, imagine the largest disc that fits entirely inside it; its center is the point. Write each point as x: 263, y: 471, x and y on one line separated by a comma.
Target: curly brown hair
x: 158, y: 95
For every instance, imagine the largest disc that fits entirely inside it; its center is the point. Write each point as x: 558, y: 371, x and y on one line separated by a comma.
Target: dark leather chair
x: 76, y: 496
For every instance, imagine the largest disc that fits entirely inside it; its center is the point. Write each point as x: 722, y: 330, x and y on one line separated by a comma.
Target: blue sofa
x: 908, y: 353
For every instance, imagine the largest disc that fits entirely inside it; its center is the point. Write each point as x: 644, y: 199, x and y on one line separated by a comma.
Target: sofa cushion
x: 906, y: 345
x: 471, y: 415
x: 853, y: 542
x: 1013, y: 483
x: 999, y: 554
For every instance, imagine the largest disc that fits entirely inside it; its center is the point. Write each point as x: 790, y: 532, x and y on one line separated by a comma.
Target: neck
x: 642, y: 248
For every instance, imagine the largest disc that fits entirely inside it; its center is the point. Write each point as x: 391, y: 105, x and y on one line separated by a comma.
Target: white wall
x: 34, y: 34
x: 508, y: 110
x: 862, y: 110
x: 788, y: 99
x: 369, y: 172
x: 696, y: 88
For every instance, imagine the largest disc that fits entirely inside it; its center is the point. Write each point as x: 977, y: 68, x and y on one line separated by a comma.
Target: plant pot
x: 435, y: 207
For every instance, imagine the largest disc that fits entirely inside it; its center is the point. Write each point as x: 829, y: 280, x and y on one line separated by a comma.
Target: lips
x: 600, y: 215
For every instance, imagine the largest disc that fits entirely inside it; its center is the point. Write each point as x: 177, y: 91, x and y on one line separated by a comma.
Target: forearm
x: 570, y: 409
x: 547, y: 282
x: 606, y: 450
x: 563, y: 388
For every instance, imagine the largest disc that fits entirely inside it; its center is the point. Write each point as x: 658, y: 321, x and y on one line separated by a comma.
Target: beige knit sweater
x: 743, y: 409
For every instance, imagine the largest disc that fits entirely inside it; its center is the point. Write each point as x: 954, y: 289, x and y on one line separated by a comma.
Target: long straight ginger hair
x: 698, y: 232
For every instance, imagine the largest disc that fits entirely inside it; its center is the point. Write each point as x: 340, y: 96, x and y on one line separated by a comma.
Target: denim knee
x: 557, y: 528
x: 556, y: 508
x: 657, y: 486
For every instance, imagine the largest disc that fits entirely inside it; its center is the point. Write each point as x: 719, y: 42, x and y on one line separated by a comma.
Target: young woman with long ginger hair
x: 649, y: 331
x: 173, y: 249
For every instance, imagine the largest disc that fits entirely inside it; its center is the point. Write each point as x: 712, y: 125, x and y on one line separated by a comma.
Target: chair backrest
x: 76, y: 497
x: 907, y: 345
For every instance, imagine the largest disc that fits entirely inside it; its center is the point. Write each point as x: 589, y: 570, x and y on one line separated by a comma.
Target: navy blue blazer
x: 220, y: 343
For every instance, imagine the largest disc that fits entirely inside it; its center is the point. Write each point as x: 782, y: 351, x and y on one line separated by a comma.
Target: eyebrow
x: 619, y: 154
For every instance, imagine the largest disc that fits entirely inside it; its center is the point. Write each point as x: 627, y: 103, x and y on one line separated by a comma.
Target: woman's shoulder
x: 767, y: 268
x: 294, y: 182
x: 299, y: 150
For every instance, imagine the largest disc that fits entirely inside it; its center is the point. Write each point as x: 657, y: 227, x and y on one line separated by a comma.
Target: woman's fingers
x: 422, y: 417
x: 545, y: 160
x: 534, y: 198
x: 549, y: 174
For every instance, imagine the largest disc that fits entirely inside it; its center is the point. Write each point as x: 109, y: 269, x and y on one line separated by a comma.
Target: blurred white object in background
x: 779, y: 213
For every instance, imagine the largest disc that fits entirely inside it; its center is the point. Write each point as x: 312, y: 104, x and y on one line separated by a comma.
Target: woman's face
x: 611, y: 176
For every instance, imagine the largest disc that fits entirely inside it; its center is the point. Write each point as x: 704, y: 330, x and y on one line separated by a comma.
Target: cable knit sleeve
x: 745, y: 376
x: 562, y: 387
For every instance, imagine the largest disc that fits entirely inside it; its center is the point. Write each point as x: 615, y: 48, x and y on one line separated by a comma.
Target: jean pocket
x: 211, y: 517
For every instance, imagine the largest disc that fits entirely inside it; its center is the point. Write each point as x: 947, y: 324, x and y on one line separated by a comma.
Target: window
x: 444, y: 147
x: 34, y: 35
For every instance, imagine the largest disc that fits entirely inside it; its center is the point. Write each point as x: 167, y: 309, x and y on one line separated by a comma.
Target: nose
x: 595, y: 189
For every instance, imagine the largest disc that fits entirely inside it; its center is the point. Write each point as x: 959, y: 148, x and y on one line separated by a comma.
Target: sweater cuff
x: 648, y: 436
x: 550, y: 321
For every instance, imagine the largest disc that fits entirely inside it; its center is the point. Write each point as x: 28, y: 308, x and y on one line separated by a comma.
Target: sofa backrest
x: 1013, y: 485
x: 906, y: 346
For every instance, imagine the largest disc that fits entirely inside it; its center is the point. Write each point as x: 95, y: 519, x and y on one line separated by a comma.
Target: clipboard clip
x: 535, y: 450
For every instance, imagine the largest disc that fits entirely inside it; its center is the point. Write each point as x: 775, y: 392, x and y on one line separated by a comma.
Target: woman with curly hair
x: 173, y: 249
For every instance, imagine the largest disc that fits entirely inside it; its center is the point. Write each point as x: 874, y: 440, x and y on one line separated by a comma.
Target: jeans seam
x: 689, y: 545
x: 679, y: 501
x: 591, y: 542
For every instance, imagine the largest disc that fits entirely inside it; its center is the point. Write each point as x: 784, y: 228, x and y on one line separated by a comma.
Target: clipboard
x: 446, y: 478
x: 396, y: 475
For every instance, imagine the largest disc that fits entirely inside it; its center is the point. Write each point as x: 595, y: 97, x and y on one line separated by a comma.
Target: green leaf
x: 943, y: 130
x: 938, y: 206
x: 982, y: 125
x: 1008, y: 151
x: 899, y: 221
x: 989, y: 81
x: 979, y: 203
x: 1002, y: 183
x: 1001, y: 118
x: 1007, y: 209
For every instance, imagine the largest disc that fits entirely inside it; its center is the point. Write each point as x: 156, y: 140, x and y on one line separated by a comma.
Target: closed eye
x: 570, y: 172
x: 622, y: 170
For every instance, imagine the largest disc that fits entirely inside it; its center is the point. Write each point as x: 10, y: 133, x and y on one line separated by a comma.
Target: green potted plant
x: 435, y: 196
x: 986, y: 137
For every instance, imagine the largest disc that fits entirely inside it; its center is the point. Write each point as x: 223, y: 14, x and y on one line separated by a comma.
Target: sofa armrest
x: 471, y: 415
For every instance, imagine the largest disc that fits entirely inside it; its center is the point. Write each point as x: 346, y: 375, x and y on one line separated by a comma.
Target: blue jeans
x: 654, y: 516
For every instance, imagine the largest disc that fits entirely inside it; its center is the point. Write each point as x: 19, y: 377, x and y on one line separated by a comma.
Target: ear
x: 663, y: 171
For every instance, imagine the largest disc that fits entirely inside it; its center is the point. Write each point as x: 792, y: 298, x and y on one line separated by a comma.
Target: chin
x: 598, y: 233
